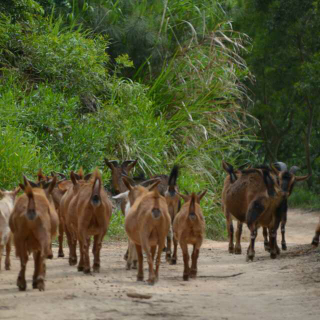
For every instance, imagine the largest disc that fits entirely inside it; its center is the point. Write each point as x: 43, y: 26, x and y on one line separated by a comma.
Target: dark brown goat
x: 173, y: 202
x: 34, y: 224
x: 252, y: 198
x: 189, y: 228
x: 286, y: 180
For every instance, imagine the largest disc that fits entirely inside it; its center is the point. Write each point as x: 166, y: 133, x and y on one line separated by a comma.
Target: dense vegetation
x: 162, y: 81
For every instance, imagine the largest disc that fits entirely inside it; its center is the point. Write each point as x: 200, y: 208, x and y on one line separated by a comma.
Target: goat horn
x: 294, y: 169
x: 281, y: 166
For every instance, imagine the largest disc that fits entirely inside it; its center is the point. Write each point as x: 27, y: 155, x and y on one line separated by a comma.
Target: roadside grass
x: 303, y: 198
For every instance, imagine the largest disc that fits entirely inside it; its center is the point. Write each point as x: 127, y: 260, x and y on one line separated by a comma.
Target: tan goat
x: 147, y: 225
x: 77, y: 180
x: 6, y: 207
x: 89, y: 215
x: 315, y: 240
x: 34, y: 224
x: 189, y: 228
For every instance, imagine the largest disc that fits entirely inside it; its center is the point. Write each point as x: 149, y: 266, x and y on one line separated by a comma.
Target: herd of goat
x: 81, y: 208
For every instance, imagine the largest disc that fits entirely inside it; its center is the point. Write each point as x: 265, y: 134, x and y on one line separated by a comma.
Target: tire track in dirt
x: 227, y: 287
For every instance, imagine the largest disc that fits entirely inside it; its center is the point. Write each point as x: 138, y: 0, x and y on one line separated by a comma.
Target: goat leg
x: 230, y: 232
x: 21, y: 281
x: 237, y: 249
x: 194, y: 257
x: 186, y: 271
x: 97, y: 244
x: 60, y: 252
x: 315, y: 240
x: 251, y: 252
x: 283, y: 231
x: 175, y: 250
x: 8, y: 250
x: 169, y: 241
x: 140, y: 263
x: 266, y: 240
x: 36, y: 256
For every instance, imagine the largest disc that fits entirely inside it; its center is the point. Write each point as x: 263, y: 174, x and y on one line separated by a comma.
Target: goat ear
x: 186, y: 198
x: 127, y: 182
x: 111, y: 164
x: 22, y: 186
x: 87, y: 177
x: 302, y: 178
x: 147, y: 183
x: 153, y: 185
x: 73, y: 178
x: 61, y: 175
x: 226, y: 166
x: 129, y: 164
x: 201, y: 195
x: 51, y: 184
x: 32, y: 184
x: 122, y: 195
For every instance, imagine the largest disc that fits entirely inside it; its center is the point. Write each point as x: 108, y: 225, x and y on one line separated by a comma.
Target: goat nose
x: 156, y: 213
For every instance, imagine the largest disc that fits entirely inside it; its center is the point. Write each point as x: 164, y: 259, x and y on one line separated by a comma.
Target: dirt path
x: 286, y: 288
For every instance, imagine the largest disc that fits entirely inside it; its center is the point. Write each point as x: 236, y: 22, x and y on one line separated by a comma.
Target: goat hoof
x: 40, y: 285
x: 96, y: 269
x: 283, y: 246
x: 164, y: 249
x: 250, y: 257
x: 231, y: 249
x: 151, y: 282
x: 134, y: 264
x: 34, y: 284
x: 22, y: 284
x: 237, y: 250
x: 315, y: 242
x: 139, y: 278
x: 185, y: 277
x: 267, y: 247
x: 72, y: 262
x: 193, y: 275
x: 7, y: 267
x: 173, y: 261
x: 273, y: 255
x: 80, y: 268
x: 60, y: 255
x: 128, y: 266
x: 87, y: 271
x: 50, y: 256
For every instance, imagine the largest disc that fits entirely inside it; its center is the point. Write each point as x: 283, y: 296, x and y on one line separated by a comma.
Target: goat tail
x: 173, y: 180
x: 229, y: 169
x: 192, y: 207
x: 96, y: 188
x: 31, y: 213
x: 156, y: 212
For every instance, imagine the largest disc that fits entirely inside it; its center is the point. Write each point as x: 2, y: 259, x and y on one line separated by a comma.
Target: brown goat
x: 252, y: 198
x: 6, y: 207
x: 189, y: 228
x: 147, y: 225
x: 89, y: 215
x: 77, y: 180
x: 315, y: 240
x: 34, y: 224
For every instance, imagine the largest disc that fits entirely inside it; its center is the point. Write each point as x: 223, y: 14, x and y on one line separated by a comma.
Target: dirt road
x: 227, y: 286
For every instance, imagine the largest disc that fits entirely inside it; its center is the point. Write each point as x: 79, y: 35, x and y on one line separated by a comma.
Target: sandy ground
x: 227, y: 286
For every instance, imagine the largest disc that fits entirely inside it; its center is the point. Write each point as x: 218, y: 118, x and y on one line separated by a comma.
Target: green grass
x: 303, y: 198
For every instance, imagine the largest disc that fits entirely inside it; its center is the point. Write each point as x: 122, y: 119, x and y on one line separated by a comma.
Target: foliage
x: 304, y: 199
